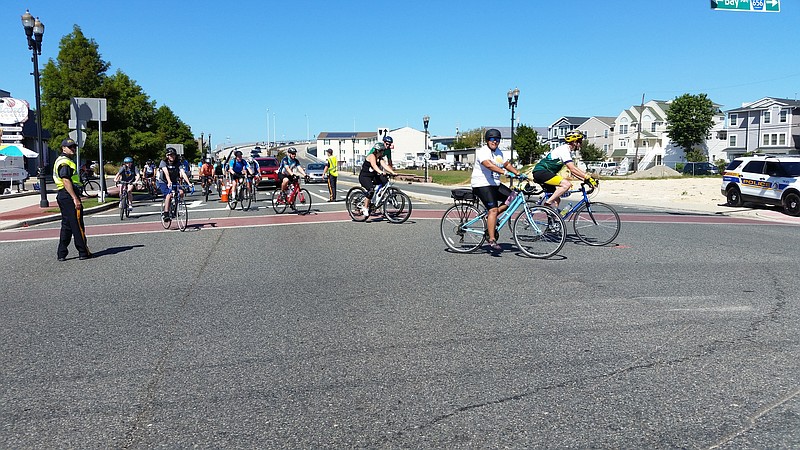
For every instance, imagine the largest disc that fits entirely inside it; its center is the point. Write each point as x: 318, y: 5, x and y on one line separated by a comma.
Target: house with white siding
x: 769, y: 125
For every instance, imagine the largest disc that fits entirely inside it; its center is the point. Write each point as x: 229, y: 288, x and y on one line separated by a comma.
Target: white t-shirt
x: 481, y: 176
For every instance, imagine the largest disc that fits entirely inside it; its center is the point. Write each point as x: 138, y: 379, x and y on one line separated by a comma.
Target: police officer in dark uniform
x: 67, y: 179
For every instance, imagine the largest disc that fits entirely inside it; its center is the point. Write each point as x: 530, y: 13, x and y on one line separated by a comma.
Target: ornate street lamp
x: 513, y: 96
x: 425, y: 121
x: 34, y: 30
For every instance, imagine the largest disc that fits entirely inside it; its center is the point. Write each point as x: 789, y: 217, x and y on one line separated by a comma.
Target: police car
x: 769, y: 180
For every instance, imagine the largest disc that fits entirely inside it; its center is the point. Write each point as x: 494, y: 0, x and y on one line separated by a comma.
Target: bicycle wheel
x: 355, y: 202
x: 539, y: 232
x: 350, y: 194
x: 278, y: 201
x: 302, y: 201
x: 123, y: 207
x: 396, y: 206
x: 182, y: 215
x: 596, y: 224
x: 232, y: 199
x: 166, y: 221
x: 254, y: 192
x: 247, y: 200
x: 206, y: 191
x: 91, y: 189
x: 463, y: 228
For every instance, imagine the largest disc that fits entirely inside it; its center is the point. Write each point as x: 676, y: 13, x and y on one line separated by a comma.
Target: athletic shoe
x: 494, y: 245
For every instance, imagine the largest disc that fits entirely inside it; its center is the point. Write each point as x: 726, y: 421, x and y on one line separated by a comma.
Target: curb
x: 55, y: 217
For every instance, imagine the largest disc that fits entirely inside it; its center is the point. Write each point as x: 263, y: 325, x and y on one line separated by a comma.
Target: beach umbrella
x: 17, y: 150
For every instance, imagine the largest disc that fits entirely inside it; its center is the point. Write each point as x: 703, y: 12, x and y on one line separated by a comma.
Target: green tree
x: 591, y: 152
x: 527, y: 147
x: 469, y: 139
x: 690, y: 117
x: 78, y: 71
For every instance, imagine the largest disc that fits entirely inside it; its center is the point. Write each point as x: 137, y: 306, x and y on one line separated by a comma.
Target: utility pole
x: 638, y: 137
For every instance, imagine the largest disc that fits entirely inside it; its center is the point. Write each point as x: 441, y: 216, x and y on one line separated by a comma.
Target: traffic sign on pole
x: 747, y: 5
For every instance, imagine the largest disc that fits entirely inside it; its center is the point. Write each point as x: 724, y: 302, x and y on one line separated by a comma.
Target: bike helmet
x: 379, y: 147
x: 492, y: 133
x: 573, y: 136
x: 208, y: 160
x: 292, y: 150
x: 388, y: 139
x: 149, y: 161
x: 237, y: 153
x: 127, y: 160
x: 171, y: 151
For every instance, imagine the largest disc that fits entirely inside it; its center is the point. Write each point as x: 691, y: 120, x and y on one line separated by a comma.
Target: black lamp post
x: 354, y: 154
x: 513, y: 96
x: 425, y: 121
x: 34, y: 29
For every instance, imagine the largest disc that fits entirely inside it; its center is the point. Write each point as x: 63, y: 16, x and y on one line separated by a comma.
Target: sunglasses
x: 494, y: 139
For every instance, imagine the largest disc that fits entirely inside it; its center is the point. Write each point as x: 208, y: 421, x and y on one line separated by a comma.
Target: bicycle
x: 206, y: 186
x: 395, y: 204
x: 149, y: 185
x: 297, y: 196
x: 242, y: 196
x: 89, y: 188
x: 538, y: 231
x: 124, y: 205
x: 177, y: 208
x: 595, y: 223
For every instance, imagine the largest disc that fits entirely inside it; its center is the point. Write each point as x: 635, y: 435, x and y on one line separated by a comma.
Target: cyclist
x: 238, y: 169
x: 170, y: 173
x: 206, y: 174
x: 149, y: 172
x: 490, y: 163
x: 254, y: 169
x: 545, y: 172
x: 128, y: 174
x: 373, y: 172
x: 290, y: 167
x: 388, y: 142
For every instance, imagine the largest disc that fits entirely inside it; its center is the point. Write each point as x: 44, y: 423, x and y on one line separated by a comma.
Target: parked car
x: 314, y: 173
x: 605, y: 168
x: 769, y: 180
x: 700, y: 168
x: 268, y: 167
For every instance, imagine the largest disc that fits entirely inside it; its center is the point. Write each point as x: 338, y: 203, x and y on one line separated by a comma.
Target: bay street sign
x: 747, y: 5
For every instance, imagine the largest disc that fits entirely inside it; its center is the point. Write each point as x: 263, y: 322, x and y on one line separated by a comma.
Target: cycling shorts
x: 369, y: 180
x: 548, y: 180
x: 492, y: 196
x: 237, y: 176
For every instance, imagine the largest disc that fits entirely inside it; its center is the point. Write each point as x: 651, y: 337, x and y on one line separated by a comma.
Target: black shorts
x: 492, y: 196
x: 369, y: 180
x: 237, y: 176
x: 541, y: 177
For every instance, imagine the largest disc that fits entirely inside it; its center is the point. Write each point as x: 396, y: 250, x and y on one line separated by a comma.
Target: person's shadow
x: 114, y: 250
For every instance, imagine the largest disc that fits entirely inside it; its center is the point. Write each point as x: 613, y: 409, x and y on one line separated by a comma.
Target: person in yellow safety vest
x: 68, y: 181
x: 332, y: 174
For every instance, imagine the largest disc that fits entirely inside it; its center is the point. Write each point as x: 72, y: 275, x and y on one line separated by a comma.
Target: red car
x: 268, y: 167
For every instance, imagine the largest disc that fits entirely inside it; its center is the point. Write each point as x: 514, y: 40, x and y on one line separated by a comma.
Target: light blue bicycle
x: 538, y: 231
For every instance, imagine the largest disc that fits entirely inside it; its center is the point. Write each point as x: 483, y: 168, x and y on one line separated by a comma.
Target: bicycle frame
x: 505, y: 216
x: 583, y: 201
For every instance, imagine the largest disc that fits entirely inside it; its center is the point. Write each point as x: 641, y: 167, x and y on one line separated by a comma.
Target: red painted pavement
x: 130, y: 227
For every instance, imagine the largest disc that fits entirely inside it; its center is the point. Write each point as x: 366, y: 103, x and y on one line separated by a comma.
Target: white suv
x: 770, y: 180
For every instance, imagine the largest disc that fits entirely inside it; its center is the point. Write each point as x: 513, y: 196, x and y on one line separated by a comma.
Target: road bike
x: 298, y: 199
x: 149, y: 185
x: 125, y: 206
x: 538, y: 231
x: 206, y: 186
x: 177, y: 207
x: 394, y: 203
x: 89, y: 188
x: 243, y: 195
x: 595, y: 223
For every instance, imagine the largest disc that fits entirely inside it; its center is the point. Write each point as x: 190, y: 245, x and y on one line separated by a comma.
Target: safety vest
x: 65, y: 160
x: 332, y: 166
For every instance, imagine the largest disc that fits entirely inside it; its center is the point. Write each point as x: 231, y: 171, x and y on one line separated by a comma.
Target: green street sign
x: 747, y: 5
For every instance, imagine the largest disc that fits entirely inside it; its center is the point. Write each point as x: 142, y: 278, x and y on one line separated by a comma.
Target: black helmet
x: 171, y: 151
x: 492, y: 133
x: 237, y: 153
x: 292, y: 150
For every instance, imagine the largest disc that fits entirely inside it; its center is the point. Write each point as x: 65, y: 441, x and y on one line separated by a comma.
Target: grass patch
x: 444, y: 177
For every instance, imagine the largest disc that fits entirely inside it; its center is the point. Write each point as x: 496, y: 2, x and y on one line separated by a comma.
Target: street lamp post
x: 34, y: 30
x: 425, y: 121
x: 354, y: 154
x: 513, y: 96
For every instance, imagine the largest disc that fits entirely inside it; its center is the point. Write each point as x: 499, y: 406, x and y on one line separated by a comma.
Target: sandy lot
x: 688, y: 194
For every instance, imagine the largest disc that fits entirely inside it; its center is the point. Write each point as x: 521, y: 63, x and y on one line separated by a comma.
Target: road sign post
x: 747, y: 5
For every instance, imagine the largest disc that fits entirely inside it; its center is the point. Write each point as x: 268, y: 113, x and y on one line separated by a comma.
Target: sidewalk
x: 21, y: 209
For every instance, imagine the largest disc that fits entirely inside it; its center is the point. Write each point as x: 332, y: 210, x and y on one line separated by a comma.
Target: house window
x: 773, y: 139
x: 781, y: 139
x: 605, y: 133
x: 784, y: 116
x: 623, y: 129
x: 605, y: 148
x: 767, y: 117
x: 732, y: 140
x: 653, y: 127
x: 733, y: 119
x: 623, y: 143
x: 326, y: 142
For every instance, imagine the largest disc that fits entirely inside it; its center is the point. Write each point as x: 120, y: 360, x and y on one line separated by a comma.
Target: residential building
x: 599, y: 131
x: 560, y: 128
x: 350, y: 147
x: 769, y: 125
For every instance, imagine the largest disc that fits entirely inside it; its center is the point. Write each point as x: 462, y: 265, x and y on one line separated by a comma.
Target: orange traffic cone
x: 223, y: 196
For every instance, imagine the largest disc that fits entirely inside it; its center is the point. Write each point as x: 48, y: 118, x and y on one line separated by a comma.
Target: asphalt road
x: 342, y: 334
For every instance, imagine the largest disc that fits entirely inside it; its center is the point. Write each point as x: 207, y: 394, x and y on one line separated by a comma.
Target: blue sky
x: 339, y: 65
